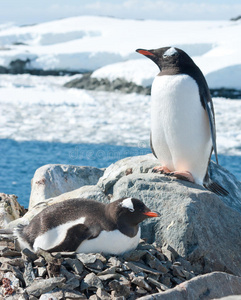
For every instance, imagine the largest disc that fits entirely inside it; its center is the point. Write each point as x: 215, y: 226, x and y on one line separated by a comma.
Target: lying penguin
x: 82, y: 225
x: 183, y: 133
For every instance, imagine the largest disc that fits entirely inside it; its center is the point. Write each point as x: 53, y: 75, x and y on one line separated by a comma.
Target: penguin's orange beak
x: 144, y: 52
x: 152, y: 214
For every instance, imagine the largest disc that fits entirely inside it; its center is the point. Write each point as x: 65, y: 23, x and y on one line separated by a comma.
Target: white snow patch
x: 88, y: 43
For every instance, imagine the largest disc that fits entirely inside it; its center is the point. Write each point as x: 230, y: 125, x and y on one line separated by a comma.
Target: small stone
x: 72, y: 280
x: 42, y: 271
x: 31, y: 297
x: 28, y: 274
x: 49, y: 296
x: 96, y: 266
x: 169, y: 252
x: 166, y: 281
x: 43, y: 286
x: 102, y: 294
x: 157, y: 284
x: 17, y: 262
x: 140, y: 281
x: 188, y: 275
x: 115, y: 262
x: 178, y: 271
x: 109, y: 276
x: 111, y: 270
x: 91, y: 282
x: 30, y: 254
x: 135, y: 255
x: 73, y: 295
x: 120, y: 289
x: 177, y: 280
x: 75, y: 264
x: 94, y: 297
x: 6, y: 252
x: 154, y: 263
x: 114, y: 296
x: 160, y: 256
x: 40, y: 262
x: 138, y: 267
x: 86, y: 258
x: 101, y: 258
x: 140, y: 291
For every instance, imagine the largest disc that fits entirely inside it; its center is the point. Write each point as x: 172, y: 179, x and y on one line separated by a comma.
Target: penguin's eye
x: 131, y: 209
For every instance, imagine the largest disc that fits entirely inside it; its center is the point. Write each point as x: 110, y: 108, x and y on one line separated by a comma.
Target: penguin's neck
x: 127, y: 229
x: 120, y: 223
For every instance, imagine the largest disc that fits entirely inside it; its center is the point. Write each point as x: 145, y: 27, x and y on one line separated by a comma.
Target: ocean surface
x: 19, y: 161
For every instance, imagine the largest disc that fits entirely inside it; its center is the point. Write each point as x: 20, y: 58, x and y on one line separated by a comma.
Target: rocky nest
x: 41, y: 275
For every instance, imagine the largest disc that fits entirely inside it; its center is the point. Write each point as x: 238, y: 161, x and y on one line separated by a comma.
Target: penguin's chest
x: 179, y: 124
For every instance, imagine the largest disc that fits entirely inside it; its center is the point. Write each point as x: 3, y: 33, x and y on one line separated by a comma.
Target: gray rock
x: 236, y: 297
x: 10, y: 209
x: 73, y: 295
x: 42, y: 271
x: 28, y: 274
x: 72, y: 280
x: 91, y: 282
x: 208, y: 286
x: 53, y: 180
x: 30, y: 255
x: 42, y: 286
x: 154, y: 263
x: 141, y: 282
x: 102, y: 294
x: 201, y: 226
x: 75, y: 264
x: 158, y: 284
x: 86, y: 258
x: 119, y: 289
x: 139, y: 267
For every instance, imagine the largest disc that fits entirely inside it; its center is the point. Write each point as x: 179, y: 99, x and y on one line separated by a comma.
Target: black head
x: 168, y: 58
x: 131, y: 211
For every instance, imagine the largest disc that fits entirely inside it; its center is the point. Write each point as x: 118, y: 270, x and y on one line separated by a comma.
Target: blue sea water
x: 19, y: 161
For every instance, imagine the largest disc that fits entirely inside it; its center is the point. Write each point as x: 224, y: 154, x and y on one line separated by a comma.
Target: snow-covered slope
x: 89, y: 43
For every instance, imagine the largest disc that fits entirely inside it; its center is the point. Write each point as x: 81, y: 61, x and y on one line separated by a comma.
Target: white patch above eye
x: 169, y: 52
x: 127, y: 203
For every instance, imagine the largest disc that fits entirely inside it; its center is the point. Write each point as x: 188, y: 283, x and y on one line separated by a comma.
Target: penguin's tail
x: 214, y: 187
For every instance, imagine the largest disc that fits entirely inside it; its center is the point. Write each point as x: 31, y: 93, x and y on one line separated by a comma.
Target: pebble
x: 75, y: 264
x: 43, y: 286
x: 91, y: 282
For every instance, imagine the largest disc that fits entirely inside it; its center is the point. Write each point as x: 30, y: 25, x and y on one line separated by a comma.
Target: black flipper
x: 152, y: 149
x: 74, y: 237
x: 210, y: 111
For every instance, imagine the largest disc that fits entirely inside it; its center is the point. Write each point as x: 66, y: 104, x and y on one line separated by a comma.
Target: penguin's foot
x: 161, y: 169
x: 182, y: 175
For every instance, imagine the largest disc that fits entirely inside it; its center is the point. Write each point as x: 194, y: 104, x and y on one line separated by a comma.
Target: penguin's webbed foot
x: 182, y: 175
x: 161, y: 169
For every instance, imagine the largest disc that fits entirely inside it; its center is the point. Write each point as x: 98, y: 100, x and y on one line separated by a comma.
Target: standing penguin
x: 183, y: 133
x: 83, y: 225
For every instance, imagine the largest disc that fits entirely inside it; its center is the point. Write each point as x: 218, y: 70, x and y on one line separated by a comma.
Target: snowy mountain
x: 107, y: 47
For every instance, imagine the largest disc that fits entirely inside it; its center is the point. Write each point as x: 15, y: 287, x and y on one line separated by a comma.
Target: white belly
x: 112, y: 242
x: 180, y: 129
